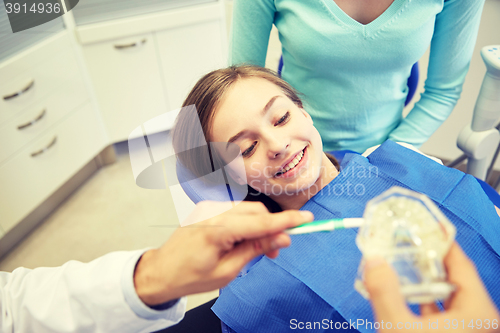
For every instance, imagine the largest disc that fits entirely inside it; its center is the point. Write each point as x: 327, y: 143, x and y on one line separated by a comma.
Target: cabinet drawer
x: 39, y: 117
x: 26, y: 180
x: 36, y: 73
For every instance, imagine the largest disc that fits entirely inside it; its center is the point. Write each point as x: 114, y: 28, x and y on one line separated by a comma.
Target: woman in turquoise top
x: 352, y: 60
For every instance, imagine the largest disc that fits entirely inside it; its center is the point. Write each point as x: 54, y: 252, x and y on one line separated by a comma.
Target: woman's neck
x: 328, y: 172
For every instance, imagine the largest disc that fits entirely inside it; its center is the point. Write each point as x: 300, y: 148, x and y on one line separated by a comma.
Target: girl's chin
x: 301, y: 186
x: 306, y: 186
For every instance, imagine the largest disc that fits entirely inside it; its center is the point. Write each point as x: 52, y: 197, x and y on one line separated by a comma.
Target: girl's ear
x: 307, y: 115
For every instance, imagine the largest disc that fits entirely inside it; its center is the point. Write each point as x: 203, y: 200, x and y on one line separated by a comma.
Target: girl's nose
x: 277, y: 147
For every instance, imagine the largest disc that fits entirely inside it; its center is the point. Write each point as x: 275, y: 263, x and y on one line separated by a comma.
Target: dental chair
x: 481, y: 137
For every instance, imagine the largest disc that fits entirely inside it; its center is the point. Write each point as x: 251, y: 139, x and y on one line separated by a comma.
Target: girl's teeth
x: 294, y: 162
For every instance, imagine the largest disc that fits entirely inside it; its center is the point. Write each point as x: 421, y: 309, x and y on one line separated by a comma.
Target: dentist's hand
x: 209, y: 254
x: 470, y: 301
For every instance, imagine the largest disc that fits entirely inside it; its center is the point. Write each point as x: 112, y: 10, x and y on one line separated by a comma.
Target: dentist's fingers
x: 261, y: 225
x: 249, y: 249
x: 249, y: 207
x: 429, y: 309
x: 461, y: 270
x: 381, y: 282
x: 470, y: 291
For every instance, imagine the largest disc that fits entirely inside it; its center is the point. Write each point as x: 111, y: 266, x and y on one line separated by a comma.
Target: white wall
x: 443, y: 142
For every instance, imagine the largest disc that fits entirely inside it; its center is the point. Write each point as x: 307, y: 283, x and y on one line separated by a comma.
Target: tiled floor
x: 107, y: 213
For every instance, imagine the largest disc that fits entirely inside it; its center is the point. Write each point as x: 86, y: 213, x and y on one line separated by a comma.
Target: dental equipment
x: 478, y: 139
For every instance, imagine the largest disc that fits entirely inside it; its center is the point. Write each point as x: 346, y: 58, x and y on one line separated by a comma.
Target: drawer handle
x: 34, y: 121
x: 43, y: 150
x: 126, y: 46
x: 20, y: 92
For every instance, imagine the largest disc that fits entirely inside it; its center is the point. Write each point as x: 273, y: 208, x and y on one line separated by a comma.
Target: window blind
x: 12, y: 43
x: 93, y: 11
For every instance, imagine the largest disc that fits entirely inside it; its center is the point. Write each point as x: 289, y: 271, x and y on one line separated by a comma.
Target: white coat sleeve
x: 98, y: 296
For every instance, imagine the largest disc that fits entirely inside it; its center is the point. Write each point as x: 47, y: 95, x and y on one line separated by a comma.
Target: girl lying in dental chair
x: 286, y: 168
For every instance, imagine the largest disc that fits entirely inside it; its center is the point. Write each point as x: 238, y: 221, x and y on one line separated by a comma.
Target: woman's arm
x: 251, y: 26
x: 452, y: 45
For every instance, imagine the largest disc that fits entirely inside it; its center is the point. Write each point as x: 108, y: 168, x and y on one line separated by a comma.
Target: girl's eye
x: 283, y: 119
x: 248, y: 152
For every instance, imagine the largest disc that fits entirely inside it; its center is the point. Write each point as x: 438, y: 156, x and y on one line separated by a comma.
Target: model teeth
x: 293, y: 163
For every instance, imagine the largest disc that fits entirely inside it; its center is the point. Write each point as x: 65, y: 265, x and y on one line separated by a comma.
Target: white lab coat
x: 80, y: 297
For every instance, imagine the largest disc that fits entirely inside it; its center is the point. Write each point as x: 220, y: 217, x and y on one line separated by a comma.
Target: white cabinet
x: 187, y: 53
x: 43, y: 166
x: 48, y: 127
x: 127, y: 81
x: 37, y: 89
x: 36, y: 73
x: 142, y: 67
x: 39, y: 117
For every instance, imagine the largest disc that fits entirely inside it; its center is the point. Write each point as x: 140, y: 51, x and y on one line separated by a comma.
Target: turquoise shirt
x: 353, y: 77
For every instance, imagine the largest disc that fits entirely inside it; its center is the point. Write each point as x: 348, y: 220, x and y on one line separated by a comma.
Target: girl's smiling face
x: 281, y: 149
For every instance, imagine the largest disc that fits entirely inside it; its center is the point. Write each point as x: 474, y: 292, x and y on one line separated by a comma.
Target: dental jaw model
x: 413, y: 235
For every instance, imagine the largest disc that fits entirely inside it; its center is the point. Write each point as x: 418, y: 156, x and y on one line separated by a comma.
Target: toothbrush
x: 325, y: 226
